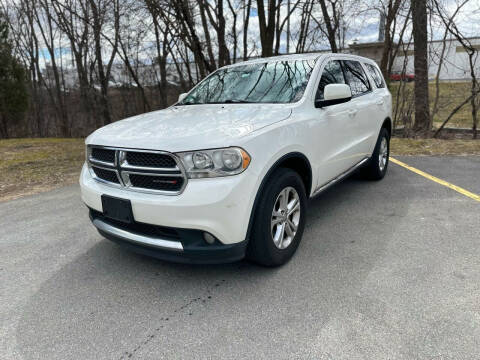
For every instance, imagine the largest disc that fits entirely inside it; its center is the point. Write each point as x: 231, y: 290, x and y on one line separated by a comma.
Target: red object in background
x: 402, y: 77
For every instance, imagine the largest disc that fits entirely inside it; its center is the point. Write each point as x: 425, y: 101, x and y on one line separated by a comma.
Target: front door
x: 339, y: 127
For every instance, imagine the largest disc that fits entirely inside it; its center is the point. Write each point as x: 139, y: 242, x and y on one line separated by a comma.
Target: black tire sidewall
x: 374, y: 170
x: 261, y: 246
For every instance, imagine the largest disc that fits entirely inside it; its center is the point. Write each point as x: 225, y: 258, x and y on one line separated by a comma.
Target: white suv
x: 226, y: 172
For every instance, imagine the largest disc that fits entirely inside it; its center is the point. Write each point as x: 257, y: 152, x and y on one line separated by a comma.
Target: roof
x: 291, y: 57
x: 366, y: 45
x: 294, y: 57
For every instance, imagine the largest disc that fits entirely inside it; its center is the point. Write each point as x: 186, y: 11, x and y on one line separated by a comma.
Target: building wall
x: 455, y: 60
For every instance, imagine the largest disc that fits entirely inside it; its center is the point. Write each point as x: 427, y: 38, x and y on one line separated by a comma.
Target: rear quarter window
x: 376, y: 75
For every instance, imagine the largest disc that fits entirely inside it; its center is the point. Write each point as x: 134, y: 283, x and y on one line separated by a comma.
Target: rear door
x: 364, y: 120
x: 382, y: 100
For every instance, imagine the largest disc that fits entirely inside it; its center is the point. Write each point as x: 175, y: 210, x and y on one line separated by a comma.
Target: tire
x: 376, y: 167
x: 267, y: 246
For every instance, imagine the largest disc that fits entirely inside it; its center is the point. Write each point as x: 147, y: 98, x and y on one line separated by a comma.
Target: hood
x: 190, y: 127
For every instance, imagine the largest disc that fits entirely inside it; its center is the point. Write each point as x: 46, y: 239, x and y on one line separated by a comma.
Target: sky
x: 362, y: 27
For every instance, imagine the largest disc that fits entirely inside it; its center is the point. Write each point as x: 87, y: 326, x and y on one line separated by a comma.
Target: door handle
x: 352, y: 113
x: 379, y: 102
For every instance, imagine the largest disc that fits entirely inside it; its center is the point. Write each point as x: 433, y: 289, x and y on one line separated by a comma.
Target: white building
x: 455, y: 65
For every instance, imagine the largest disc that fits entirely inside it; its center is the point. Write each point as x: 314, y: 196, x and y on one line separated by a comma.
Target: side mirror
x: 334, y: 94
x: 182, y: 96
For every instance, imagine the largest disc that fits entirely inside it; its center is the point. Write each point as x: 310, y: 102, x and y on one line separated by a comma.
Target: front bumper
x: 178, y: 245
x: 219, y: 206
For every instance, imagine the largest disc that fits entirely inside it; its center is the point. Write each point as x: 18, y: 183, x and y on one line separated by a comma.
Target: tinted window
x: 356, y: 77
x: 332, y: 74
x: 269, y: 82
x: 376, y: 76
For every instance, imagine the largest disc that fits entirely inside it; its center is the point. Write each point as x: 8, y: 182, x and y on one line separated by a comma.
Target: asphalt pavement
x: 386, y: 270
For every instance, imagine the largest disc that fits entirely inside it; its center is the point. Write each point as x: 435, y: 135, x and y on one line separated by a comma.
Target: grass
x: 451, y: 94
x: 400, y: 146
x: 29, y: 166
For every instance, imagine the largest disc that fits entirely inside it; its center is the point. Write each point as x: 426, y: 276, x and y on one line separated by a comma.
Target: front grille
x: 165, y: 183
x: 107, y: 175
x: 105, y: 155
x: 155, y: 172
x: 138, y: 227
x: 150, y: 160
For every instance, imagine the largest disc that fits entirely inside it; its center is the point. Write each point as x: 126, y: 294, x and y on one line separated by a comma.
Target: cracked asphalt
x: 386, y: 270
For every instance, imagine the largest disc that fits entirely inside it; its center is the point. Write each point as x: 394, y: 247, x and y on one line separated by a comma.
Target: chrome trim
x: 128, y: 184
x: 339, y: 177
x: 124, y: 162
x: 127, y: 166
x: 136, y: 238
x: 123, y: 169
x: 92, y: 172
x: 99, y: 162
x: 89, y: 151
x: 178, y: 174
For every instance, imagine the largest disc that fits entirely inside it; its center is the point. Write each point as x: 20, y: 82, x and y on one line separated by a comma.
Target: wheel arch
x: 293, y: 160
x: 387, y: 124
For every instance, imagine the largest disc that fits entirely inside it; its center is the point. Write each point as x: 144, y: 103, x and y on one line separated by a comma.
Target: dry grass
x: 451, y: 94
x: 29, y: 166
x: 434, y: 147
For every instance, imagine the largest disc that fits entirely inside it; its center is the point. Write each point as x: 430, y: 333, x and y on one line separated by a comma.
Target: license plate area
x: 117, y: 209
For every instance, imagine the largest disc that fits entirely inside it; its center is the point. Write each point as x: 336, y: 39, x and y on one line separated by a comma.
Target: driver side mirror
x: 334, y: 94
x: 182, y: 96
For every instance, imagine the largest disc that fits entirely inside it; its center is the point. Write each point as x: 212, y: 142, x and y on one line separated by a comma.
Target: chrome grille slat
x: 144, y: 175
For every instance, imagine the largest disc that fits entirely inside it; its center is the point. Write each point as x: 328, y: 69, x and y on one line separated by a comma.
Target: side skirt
x: 339, y: 177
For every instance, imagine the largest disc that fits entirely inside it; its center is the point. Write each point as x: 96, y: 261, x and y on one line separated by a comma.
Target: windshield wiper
x: 237, y: 101
x: 230, y: 101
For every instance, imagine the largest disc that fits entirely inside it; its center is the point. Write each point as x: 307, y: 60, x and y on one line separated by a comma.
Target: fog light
x: 209, y: 238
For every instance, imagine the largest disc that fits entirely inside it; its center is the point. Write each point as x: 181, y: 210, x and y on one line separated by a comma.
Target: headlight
x: 215, y: 162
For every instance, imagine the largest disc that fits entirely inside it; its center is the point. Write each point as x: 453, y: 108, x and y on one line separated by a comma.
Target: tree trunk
x: 422, y: 111
x: 393, y: 6
x: 331, y: 31
x: 245, y: 30
x: 208, y: 41
x: 223, y: 53
x: 474, y: 92
x: 267, y: 26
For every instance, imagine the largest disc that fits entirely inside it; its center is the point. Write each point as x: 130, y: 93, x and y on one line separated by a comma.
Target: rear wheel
x: 376, y: 167
x: 279, y: 219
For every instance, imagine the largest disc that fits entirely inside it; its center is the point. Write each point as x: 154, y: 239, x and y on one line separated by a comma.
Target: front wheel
x: 376, y: 167
x: 279, y: 219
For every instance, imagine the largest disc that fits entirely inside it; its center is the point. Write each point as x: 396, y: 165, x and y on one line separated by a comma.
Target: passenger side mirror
x: 182, y: 96
x: 334, y: 94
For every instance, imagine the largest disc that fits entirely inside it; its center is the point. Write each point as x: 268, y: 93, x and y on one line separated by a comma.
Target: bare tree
x: 266, y: 20
x: 331, y: 11
x: 472, y: 54
x: 391, y: 12
x: 217, y: 20
x: 246, y: 18
x: 70, y: 18
x: 422, y: 110
x: 99, y: 17
x: 306, y: 15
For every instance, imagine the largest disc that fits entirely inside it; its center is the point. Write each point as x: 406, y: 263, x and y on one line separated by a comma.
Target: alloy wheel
x: 285, y: 217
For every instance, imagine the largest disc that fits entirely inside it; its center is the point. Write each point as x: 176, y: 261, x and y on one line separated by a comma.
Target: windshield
x: 270, y: 82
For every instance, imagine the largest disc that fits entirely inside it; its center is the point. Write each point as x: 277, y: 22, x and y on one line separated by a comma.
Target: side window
x: 356, y: 77
x: 376, y: 76
x: 332, y: 74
